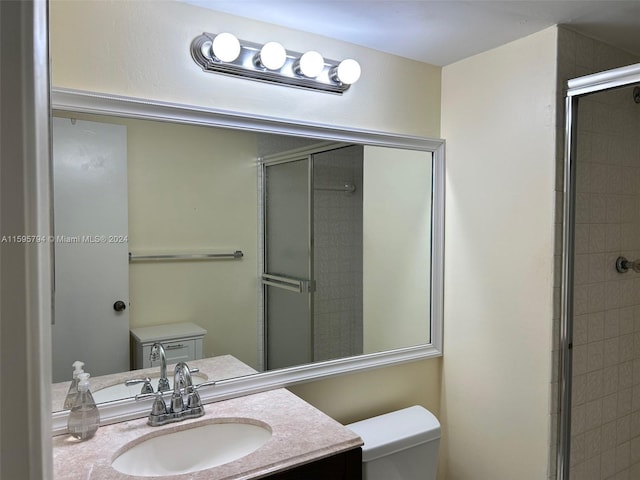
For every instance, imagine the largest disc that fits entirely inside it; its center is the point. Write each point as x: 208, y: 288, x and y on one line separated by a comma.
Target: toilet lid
x: 395, y: 431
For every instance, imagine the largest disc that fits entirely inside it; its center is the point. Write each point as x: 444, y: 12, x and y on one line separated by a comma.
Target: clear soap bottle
x: 84, y: 418
x: 72, y: 393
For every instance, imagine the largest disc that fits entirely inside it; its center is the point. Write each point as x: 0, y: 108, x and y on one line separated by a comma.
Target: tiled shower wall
x: 338, y: 253
x: 605, y: 429
x: 606, y: 334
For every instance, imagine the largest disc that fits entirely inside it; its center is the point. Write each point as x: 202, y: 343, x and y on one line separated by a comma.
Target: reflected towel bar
x: 194, y: 256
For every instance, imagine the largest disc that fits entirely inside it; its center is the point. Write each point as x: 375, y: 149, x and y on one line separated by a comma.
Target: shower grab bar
x: 623, y: 265
x: 192, y: 256
x: 297, y: 285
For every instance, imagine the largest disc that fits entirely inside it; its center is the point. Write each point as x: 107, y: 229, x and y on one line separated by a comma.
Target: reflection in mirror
x: 358, y: 253
x: 335, y: 242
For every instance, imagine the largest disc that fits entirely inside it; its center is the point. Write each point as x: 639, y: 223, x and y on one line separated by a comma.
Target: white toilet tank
x: 401, y: 445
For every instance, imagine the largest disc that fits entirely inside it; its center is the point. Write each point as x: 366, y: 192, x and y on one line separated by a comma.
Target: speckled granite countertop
x: 214, y: 368
x: 300, y: 434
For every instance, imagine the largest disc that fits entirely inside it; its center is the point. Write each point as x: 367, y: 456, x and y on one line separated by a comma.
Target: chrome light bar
x: 246, y: 62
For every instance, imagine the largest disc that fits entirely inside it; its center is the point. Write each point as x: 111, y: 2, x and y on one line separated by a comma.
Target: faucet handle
x: 193, y: 399
x: 208, y: 383
x: 146, y: 388
x: 159, y: 414
x: 163, y: 385
x: 158, y: 407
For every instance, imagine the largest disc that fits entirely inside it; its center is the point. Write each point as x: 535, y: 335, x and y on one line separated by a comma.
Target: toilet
x: 401, y: 445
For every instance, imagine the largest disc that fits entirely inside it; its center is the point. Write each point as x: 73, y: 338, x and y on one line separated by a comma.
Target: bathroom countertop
x: 213, y: 368
x: 300, y: 434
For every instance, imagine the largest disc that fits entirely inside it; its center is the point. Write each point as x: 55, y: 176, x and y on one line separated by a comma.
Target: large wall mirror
x: 269, y: 252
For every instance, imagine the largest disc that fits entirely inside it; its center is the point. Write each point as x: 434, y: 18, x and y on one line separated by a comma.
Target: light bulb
x: 348, y: 71
x: 226, y: 47
x: 311, y: 64
x: 272, y: 55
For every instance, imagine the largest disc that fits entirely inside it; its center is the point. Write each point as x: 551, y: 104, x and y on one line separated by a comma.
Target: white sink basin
x: 192, y: 449
x: 120, y: 390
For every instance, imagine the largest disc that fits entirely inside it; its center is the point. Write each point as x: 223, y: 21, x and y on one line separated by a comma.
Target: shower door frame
x: 298, y: 154
x: 576, y: 89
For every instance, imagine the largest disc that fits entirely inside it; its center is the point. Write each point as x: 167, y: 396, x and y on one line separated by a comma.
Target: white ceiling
x: 442, y: 32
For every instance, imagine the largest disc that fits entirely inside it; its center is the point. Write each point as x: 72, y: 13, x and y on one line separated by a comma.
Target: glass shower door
x: 287, y: 264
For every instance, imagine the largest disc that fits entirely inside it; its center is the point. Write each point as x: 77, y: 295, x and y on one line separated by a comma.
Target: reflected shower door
x: 287, y: 264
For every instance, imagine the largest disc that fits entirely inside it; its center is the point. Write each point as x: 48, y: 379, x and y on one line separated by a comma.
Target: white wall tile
x: 579, y: 390
x: 622, y: 456
x: 581, y: 329
x: 593, y: 414
x: 594, y: 385
x: 608, y: 464
x: 610, y: 408
x: 595, y: 356
x: 610, y: 380
x: 596, y: 326
x: 625, y: 375
x: 623, y: 430
x: 611, y: 323
x: 635, y: 451
x: 625, y: 403
x: 609, y: 435
x: 611, y: 351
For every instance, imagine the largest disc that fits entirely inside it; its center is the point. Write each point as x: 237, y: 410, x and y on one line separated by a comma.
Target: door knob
x: 119, y: 306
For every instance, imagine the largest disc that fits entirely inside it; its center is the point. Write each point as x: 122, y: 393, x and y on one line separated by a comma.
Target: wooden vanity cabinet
x: 342, y: 466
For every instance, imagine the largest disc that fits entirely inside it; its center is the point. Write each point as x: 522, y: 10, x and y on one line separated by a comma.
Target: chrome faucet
x: 182, y: 380
x: 177, y: 410
x: 157, y: 350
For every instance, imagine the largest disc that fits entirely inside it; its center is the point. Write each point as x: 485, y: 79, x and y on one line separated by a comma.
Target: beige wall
x: 396, y: 257
x: 349, y: 398
x: 151, y: 41
x: 499, y: 122
x: 194, y: 189
x: 394, y: 95
x: 191, y: 190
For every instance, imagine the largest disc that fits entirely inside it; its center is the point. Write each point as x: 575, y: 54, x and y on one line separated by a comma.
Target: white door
x: 91, y: 248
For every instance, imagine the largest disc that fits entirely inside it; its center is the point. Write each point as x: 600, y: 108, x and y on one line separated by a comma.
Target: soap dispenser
x: 73, y: 388
x: 84, y: 418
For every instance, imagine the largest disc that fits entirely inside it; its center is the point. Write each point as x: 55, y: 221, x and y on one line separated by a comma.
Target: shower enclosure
x: 599, y: 428
x: 313, y: 250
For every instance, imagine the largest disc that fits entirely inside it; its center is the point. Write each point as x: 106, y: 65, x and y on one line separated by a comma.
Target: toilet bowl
x: 400, y: 445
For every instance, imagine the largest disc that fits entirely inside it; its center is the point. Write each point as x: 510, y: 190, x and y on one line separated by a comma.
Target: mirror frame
x: 115, y: 105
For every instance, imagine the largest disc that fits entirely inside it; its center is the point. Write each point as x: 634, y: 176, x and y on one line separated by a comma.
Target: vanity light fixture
x: 272, y: 63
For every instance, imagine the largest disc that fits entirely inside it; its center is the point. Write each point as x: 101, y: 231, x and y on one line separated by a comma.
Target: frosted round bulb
x: 348, y: 71
x: 226, y: 47
x: 311, y: 64
x: 273, y: 55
